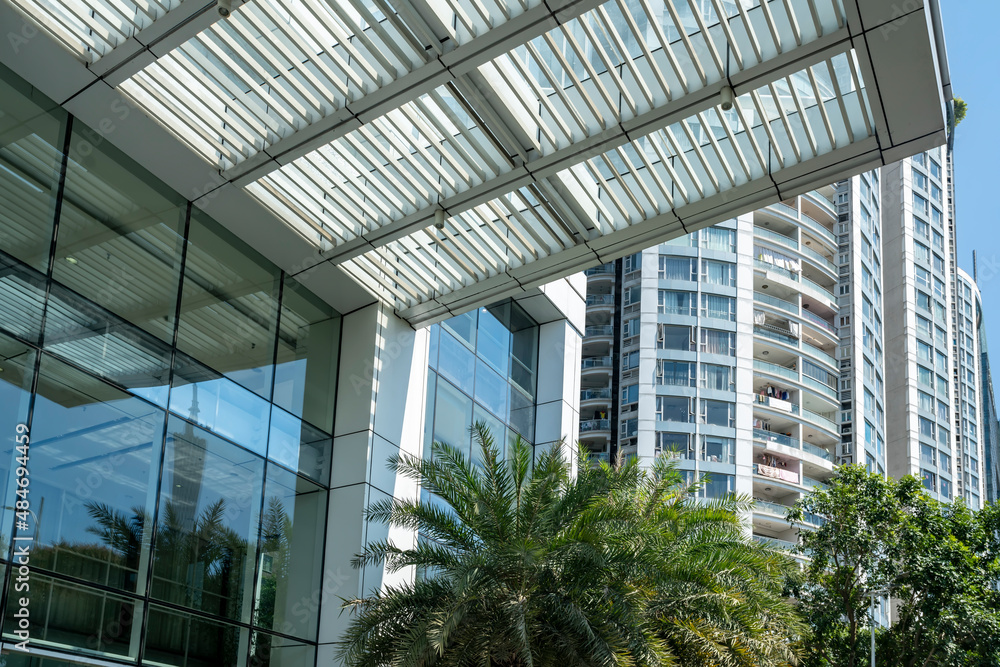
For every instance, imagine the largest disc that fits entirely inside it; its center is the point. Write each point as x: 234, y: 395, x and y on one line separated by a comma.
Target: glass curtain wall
x: 482, y: 368
x: 179, y: 392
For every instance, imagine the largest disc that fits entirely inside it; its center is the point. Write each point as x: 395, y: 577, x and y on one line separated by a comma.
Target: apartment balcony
x: 595, y: 399
x: 599, y: 334
x: 787, y: 244
x: 595, y: 431
x: 766, y: 478
x: 600, y: 309
x: 602, y: 276
x: 819, y: 208
x: 596, y: 371
x: 792, y: 280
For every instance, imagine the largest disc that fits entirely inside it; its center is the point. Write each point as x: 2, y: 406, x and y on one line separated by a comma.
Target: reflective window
x: 18, y: 363
x: 120, y: 235
x: 291, y: 553
x: 177, y: 638
x: 94, y: 455
x: 206, y: 540
x: 452, y: 416
x: 306, y: 366
x: 30, y: 159
x: 229, y: 306
x: 22, y: 298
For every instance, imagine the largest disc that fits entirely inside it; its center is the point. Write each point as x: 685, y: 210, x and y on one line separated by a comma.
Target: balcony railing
x: 777, y: 404
x: 777, y: 238
x: 817, y: 451
x: 774, y: 335
x: 776, y: 543
x: 775, y: 369
x: 819, y: 230
x: 592, y: 394
x: 774, y: 268
x: 822, y: 388
x: 817, y: 320
x: 771, y: 508
x: 776, y: 438
x: 600, y: 330
x: 601, y: 300
x: 820, y: 354
x: 595, y: 362
x: 593, y: 425
x: 819, y: 259
x: 776, y: 302
x: 821, y: 420
x: 601, y: 270
x: 819, y: 288
x: 810, y: 483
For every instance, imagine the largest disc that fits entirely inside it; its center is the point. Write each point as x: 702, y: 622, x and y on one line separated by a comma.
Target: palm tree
x: 522, y: 565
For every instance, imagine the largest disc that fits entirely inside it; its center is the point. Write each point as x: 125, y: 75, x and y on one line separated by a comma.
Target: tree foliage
x: 522, y: 564
x: 961, y: 108
x: 935, y: 560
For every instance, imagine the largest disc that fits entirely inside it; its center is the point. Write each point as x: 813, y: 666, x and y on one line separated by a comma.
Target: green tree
x: 524, y: 565
x: 936, y: 560
x: 961, y: 108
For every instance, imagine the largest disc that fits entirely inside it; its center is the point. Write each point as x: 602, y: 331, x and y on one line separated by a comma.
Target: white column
x: 381, y: 390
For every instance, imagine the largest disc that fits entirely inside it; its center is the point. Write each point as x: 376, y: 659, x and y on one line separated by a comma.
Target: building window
x: 929, y: 480
x: 670, y: 337
x: 714, y: 376
x: 717, y: 449
x: 674, y: 373
x: 677, y: 268
x: 673, y: 409
x: 676, y: 303
x: 718, y: 307
x: 674, y: 445
x: 718, y: 273
x: 718, y: 342
x: 718, y: 413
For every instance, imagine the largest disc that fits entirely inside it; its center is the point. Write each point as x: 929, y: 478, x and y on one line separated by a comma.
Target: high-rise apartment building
x: 933, y: 372
x: 727, y: 354
x: 990, y: 425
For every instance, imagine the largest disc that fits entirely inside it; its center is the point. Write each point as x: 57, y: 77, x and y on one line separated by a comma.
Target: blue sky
x: 970, y: 32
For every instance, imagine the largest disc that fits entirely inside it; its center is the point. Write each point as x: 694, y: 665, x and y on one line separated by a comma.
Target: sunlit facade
x: 204, y: 432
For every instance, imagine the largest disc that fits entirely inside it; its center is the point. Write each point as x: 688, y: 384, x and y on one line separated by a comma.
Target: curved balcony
x: 595, y: 430
x: 596, y: 370
x: 599, y: 332
x: 801, y: 252
x: 790, y: 446
x: 595, y: 398
x: 818, y: 207
x: 601, y: 275
x: 794, y: 281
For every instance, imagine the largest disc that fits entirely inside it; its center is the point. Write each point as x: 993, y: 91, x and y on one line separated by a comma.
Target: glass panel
x: 229, y: 306
x: 496, y: 427
x: 291, y: 553
x: 77, y: 618
x: 120, y: 235
x: 270, y: 651
x: 456, y: 363
x: 435, y: 336
x: 206, y: 539
x: 491, y: 389
x: 88, y: 336
x: 17, y: 369
x: 306, y: 365
x: 524, y: 351
x: 464, y: 327
x: 493, y: 340
x: 522, y: 414
x: 207, y: 398
x: 299, y: 446
x: 94, y: 455
x: 22, y: 297
x: 429, y: 413
x: 176, y: 638
x: 31, y: 140
x: 452, y: 416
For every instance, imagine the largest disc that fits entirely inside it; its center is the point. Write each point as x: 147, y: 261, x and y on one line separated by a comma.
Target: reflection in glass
x: 299, y: 446
x: 90, y: 337
x: 491, y: 389
x: 306, y: 365
x: 22, y: 299
x: 291, y: 554
x: 86, y: 620
x: 497, y: 430
x: 452, y: 416
x: 457, y: 363
x: 524, y: 351
x: 522, y: 414
x: 31, y: 139
x: 17, y: 368
x: 208, y: 518
x: 493, y: 343
x: 464, y: 327
x: 229, y: 306
x: 271, y: 651
x: 120, y: 235
x: 177, y: 638
x: 94, y: 454
x: 429, y: 414
x: 208, y: 399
